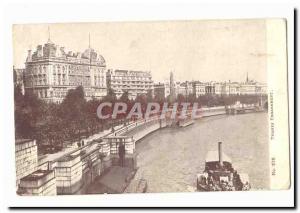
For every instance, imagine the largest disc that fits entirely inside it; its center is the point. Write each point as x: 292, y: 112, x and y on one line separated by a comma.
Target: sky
x: 205, y: 50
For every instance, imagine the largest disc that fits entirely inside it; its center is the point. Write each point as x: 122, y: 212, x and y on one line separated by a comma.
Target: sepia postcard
x: 151, y: 107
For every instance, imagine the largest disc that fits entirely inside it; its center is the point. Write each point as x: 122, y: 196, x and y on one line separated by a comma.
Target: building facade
x: 261, y: 89
x: 51, y: 71
x: 248, y: 89
x: 232, y: 88
x: 198, y: 88
x: 210, y: 88
x: 161, y: 90
x: 134, y: 82
x: 186, y: 88
x: 236, y: 88
x: 218, y: 88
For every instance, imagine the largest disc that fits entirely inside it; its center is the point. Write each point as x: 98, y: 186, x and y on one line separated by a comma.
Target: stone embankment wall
x: 77, y: 169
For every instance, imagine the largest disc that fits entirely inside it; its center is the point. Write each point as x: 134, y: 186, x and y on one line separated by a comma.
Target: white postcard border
x: 122, y: 11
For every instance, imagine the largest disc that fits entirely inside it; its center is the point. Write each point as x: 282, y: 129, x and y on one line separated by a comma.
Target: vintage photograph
x: 141, y: 107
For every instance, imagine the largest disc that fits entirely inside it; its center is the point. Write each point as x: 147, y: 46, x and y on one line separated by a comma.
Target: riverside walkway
x: 138, y: 129
x: 77, y: 169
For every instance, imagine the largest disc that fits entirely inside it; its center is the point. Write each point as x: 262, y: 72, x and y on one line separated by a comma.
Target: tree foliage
x: 53, y: 124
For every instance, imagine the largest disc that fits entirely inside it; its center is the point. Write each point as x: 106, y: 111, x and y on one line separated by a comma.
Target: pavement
x: 113, y: 181
x: 54, y: 156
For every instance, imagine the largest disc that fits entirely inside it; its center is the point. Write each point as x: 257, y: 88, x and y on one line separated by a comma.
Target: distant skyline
x: 206, y: 50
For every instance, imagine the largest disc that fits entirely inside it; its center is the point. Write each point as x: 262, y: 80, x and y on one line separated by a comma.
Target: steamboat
x: 219, y: 174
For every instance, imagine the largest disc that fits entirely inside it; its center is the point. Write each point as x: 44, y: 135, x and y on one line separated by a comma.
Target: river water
x: 169, y: 159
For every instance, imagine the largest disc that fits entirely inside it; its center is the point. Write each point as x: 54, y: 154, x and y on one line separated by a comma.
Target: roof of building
x: 90, y: 53
x: 50, y: 49
x: 130, y: 72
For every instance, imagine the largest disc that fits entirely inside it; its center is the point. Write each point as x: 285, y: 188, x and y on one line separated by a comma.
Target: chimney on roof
x: 49, y: 40
x: 220, y: 154
x: 29, y: 56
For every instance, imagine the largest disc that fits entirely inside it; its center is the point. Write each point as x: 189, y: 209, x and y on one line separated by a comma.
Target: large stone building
x: 185, y: 88
x: 51, y: 71
x: 248, y: 88
x: 231, y: 88
x: 162, y: 90
x: 210, y: 88
x: 261, y: 89
x: 198, y: 88
x: 220, y: 88
x: 235, y: 88
x: 134, y: 82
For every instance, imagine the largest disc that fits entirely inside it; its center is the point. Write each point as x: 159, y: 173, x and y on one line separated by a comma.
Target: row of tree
x: 52, y: 124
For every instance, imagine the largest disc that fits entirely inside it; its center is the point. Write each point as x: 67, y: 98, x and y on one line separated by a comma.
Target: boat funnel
x: 220, y: 154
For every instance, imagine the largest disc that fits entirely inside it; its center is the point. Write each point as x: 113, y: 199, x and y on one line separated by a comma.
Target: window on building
x: 54, y: 79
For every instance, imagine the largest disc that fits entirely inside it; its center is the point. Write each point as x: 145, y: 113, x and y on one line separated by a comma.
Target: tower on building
x: 172, y: 87
x: 49, y: 35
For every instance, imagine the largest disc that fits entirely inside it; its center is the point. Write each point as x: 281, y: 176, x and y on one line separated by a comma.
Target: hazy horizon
x: 206, y: 50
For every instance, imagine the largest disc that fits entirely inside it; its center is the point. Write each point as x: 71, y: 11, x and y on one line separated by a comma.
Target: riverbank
x: 139, y: 133
x: 104, y: 173
x: 170, y: 159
